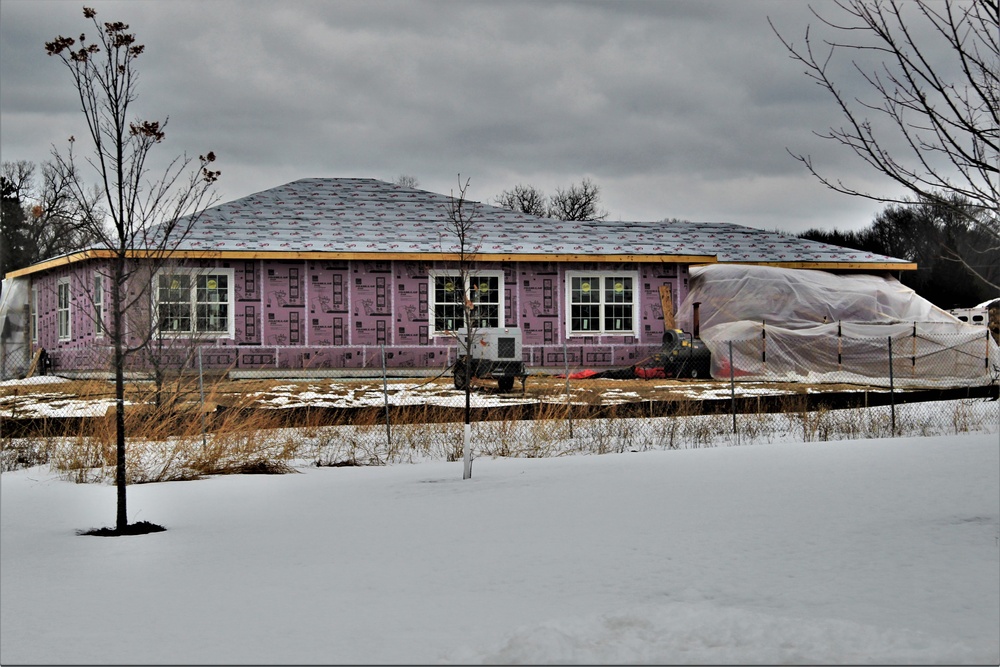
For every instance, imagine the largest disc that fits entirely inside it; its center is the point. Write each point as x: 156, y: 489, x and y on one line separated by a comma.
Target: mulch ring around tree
x: 139, y: 528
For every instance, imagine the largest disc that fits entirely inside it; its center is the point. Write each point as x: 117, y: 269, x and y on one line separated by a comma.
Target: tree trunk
x: 467, y: 427
x: 121, y: 521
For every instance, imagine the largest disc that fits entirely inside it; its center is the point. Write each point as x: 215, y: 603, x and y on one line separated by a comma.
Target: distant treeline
x: 948, y: 242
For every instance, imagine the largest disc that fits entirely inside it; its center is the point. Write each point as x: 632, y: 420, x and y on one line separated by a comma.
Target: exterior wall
x: 338, y: 314
x: 84, y: 349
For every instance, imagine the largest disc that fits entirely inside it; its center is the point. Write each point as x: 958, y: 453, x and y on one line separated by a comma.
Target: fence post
x: 732, y: 390
x: 763, y: 344
x: 986, y: 353
x: 569, y: 404
x: 892, y: 392
x: 840, y: 346
x: 201, y: 391
x: 385, y: 397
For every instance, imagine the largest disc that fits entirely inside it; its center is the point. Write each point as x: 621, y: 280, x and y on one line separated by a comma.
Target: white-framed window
x: 194, y: 302
x: 62, y: 309
x: 448, y: 298
x: 602, y: 303
x: 34, y: 313
x: 98, y: 301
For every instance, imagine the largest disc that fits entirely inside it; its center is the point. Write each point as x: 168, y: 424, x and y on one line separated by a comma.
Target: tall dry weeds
x: 168, y: 443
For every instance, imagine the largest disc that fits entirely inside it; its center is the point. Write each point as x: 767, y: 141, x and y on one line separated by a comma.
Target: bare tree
x: 524, y: 199
x: 146, y: 218
x: 931, y: 120
x: 42, y: 218
x: 463, y: 218
x: 578, y: 202
x: 407, y: 181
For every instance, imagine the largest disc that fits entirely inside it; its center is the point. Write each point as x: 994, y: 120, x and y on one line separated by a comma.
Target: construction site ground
x: 48, y: 397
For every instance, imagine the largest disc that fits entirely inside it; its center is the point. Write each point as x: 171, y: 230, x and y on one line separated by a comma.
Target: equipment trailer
x: 496, y: 355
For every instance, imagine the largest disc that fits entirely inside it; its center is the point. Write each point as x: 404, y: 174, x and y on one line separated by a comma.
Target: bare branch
x: 578, y: 202
x: 145, y: 217
x: 930, y: 126
x: 524, y: 199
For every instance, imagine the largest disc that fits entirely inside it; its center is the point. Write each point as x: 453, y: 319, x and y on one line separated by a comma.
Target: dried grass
x: 168, y: 442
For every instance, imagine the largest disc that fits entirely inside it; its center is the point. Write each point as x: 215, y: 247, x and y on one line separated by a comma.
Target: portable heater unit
x: 685, y: 356
x: 497, y: 345
x: 496, y: 355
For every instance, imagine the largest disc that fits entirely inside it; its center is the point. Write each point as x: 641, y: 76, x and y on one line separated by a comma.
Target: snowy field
x: 861, y: 552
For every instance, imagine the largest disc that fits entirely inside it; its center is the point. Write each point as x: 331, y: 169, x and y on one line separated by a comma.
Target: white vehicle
x: 977, y: 315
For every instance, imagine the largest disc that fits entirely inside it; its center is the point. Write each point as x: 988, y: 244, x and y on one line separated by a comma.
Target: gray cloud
x: 675, y: 108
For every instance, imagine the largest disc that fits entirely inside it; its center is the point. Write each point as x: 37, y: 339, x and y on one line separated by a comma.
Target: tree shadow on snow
x: 139, y: 528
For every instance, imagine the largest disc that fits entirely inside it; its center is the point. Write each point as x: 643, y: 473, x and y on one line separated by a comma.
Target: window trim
x: 34, y: 313
x: 61, y: 311
x: 432, y: 277
x: 602, y: 304
x: 97, y: 299
x: 229, y: 332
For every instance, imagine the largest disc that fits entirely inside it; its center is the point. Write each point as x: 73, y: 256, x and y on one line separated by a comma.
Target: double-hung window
x: 601, y: 303
x: 482, y: 292
x: 190, y: 302
x: 62, y: 309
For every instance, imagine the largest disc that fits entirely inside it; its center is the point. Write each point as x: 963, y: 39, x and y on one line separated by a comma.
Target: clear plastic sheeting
x: 14, y: 328
x: 813, y: 326
x: 801, y: 298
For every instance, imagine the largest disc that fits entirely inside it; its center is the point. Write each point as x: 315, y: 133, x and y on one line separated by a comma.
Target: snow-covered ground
x: 866, y: 551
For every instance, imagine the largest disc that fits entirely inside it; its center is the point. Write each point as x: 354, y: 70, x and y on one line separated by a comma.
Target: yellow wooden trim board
x: 834, y: 266
x: 448, y: 257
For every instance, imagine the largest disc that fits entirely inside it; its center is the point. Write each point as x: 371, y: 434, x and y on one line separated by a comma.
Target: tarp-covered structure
x: 814, y: 326
x: 15, y: 353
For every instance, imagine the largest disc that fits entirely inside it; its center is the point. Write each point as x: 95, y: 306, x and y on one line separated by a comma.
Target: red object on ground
x: 579, y: 375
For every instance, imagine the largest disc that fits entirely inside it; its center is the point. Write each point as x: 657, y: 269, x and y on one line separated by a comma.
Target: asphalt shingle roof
x: 349, y: 215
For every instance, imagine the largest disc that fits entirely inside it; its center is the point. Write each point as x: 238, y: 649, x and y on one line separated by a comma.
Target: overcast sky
x: 676, y: 109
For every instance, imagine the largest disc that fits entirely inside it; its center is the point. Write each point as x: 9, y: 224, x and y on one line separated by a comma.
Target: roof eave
x: 85, y: 255
x: 76, y: 257
x: 834, y: 266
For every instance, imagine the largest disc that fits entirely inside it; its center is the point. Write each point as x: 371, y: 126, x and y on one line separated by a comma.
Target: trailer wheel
x: 460, y: 379
x: 506, y: 383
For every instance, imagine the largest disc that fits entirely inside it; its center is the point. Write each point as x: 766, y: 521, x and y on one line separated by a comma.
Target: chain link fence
x: 760, y: 390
